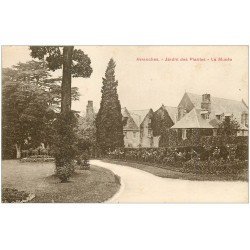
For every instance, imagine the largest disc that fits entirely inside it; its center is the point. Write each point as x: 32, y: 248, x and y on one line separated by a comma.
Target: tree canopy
x: 74, y: 62
x: 109, y: 123
x: 30, y: 98
x: 228, y: 126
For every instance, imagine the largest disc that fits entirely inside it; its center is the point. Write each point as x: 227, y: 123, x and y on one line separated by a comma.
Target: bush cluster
x: 206, y: 159
x: 10, y: 195
x: 216, y: 166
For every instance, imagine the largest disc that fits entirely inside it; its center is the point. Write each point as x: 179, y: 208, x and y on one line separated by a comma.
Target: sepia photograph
x: 124, y: 124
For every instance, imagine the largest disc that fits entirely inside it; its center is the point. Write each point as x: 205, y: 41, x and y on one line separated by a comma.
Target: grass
x: 85, y: 186
x: 168, y: 172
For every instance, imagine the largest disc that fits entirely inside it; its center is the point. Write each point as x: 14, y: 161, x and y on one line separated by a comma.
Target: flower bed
x: 38, y: 158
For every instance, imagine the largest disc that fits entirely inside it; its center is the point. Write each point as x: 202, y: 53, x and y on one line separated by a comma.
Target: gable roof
x: 139, y: 115
x: 193, y: 119
x: 125, y: 112
x: 172, y: 111
x: 221, y: 105
x: 130, y: 124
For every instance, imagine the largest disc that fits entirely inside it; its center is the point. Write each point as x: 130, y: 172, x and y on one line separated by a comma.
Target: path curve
x: 142, y: 187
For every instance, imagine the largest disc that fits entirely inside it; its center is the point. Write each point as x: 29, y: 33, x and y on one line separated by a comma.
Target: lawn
x: 168, y: 172
x: 90, y: 186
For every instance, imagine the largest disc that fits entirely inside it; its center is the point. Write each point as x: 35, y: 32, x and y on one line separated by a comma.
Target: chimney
x: 90, y: 110
x: 206, y: 103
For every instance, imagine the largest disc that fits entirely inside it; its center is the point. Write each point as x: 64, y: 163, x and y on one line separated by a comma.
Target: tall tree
x: 25, y: 106
x: 37, y: 73
x: 74, y: 63
x: 109, y: 118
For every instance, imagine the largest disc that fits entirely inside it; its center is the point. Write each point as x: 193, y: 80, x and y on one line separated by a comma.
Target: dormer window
x: 218, y: 117
x: 205, y: 115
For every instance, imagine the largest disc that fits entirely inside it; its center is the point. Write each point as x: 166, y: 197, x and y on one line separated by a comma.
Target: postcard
x: 125, y: 124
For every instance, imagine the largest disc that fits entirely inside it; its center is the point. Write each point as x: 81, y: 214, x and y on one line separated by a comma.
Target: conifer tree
x: 109, y: 124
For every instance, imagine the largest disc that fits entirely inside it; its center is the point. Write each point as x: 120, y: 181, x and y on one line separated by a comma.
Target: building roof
x: 221, y: 105
x: 193, y: 119
x: 172, y: 111
x: 130, y: 124
x: 125, y: 112
x: 139, y: 115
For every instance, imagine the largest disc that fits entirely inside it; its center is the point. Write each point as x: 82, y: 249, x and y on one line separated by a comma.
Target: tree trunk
x: 18, y: 151
x: 66, y: 79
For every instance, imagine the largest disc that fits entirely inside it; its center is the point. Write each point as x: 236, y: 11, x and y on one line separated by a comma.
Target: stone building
x: 205, y: 112
x: 137, y: 127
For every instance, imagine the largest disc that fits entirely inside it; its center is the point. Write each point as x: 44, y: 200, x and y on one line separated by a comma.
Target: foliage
x: 64, y: 147
x: 218, y: 167
x: 109, y: 123
x: 24, y: 113
x: 53, y: 55
x: 161, y: 120
x: 10, y: 195
x: 38, y: 74
x: 198, y: 137
x: 212, y: 159
x: 228, y: 126
x: 86, y: 132
x: 173, y: 137
x: 84, y: 160
x: 30, y: 98
x: 74, y: 64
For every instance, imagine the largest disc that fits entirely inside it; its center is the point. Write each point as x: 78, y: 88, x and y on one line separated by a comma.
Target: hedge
x: 229, y: 158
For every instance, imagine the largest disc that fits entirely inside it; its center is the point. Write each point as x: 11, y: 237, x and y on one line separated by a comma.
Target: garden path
x: 142, y: 187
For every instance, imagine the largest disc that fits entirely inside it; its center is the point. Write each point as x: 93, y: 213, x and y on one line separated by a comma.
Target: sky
x: 144, y: 84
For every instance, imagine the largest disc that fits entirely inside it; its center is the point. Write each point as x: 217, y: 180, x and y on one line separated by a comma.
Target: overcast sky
x: 149, y: 84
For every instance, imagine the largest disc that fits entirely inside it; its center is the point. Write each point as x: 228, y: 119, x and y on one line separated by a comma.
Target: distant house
x: 131, y: 130
x: 203, y: 113
x: 216, y: 107
x: 137, y: 127
x: 165, y: 117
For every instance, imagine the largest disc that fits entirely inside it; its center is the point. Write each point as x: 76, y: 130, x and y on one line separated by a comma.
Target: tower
x: 90, y: 111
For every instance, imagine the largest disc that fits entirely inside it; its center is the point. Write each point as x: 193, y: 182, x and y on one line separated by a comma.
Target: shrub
x: 64, y: 145
x: 217, y: 167
x: 10, y: 195
x: 225, y: 159
x: 84, y: 161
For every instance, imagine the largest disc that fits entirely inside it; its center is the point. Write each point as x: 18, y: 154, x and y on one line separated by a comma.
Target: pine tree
x: 109, y: 124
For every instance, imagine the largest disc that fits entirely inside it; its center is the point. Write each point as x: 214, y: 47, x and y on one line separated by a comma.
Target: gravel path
x: 142, y: 187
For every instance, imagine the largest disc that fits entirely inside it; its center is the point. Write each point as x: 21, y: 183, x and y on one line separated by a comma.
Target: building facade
x: 137, y: 128
x: 205, y: 113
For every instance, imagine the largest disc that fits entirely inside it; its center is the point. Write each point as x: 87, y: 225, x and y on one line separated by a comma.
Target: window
x: 125, y: 134
x: 184, y: 134
x: 149, y: 124
x: 244, y: 118
x: 205, y: 116
x: 214, y: 132
x: 150, y: 133
x: 134, y: 134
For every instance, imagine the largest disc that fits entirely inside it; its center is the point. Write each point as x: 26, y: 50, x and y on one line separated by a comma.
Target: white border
x: 75, y: 226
